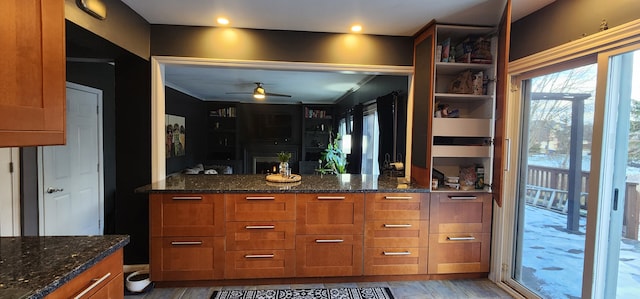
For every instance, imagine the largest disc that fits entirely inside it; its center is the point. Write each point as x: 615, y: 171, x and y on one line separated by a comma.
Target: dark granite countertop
x: 239, y: 183
x: 33, y: 267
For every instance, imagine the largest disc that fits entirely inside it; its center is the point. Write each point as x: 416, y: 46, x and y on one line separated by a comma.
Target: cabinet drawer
x: 467, y: 127
x: 186, y: 215
x: 187, y: 258
x: 260, y: 263
x: 266, y: 207
x: 390, y: 233
x: 397, y: 206
x: 460, y: 212
x: 459, y: 253
x: 328, y: 255
x: 341, y: 213
x: 395, y: 261
x: 93, y: 280
x: 258, y: 235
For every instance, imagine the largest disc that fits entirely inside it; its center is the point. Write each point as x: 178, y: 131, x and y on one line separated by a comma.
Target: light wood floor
x: 449, y: 289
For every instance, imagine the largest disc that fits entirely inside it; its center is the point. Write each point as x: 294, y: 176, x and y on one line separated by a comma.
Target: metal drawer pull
x: 186, y: 243
x: 470, y: 238
x: 330, y: 241
x: 463, y: 197
x: 93, y: 285
x: 259, y: 256
x: 397, y: 225
x: 187, y: 198
x: 260, y: 226
x: 260, y: 198
x: 396, y: 253
x: 331, y: 197
x: 398, y: 197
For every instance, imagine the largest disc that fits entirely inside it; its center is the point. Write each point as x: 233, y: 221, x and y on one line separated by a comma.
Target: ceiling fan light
x: 258, y: 92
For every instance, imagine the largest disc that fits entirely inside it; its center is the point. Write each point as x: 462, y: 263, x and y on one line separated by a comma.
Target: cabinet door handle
x: 259, y: 256
x: 397, y: 225
x: 391, y: 253
x: 186, y: 197
x: 398, y: 197
x: 331, y: 197
x: 95, y: 283
x: 260, y: 226
x: 469, y: 238
x: 260, y: 198
x: 329, y: 241
x: 186, y: 243
x: 462, y: 197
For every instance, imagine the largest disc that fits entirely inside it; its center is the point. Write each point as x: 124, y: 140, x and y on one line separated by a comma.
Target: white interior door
x: 70, y: 175
x: 9, y: 193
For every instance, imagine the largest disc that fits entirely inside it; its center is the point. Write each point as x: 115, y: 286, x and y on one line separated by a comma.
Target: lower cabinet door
x: 395, y: 261
x: 459, y: 253
x: 328, y: 255
x: 187, y: 258
x: 260, y: 264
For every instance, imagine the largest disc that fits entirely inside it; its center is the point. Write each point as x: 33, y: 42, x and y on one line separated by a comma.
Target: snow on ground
x: 552, y: 257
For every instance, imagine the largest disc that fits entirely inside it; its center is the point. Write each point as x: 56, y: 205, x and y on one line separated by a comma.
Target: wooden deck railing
x: 547, y: 187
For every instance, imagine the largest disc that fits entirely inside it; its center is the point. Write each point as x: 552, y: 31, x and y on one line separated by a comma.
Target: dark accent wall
x: 195, y: 113
x: 567, y: 20
x: 123, y: 26
x: 101, y: 75
x: 275, y: 45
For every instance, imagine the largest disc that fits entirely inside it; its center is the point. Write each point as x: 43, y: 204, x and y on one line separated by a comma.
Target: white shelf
x: 454, y: 68
x: 461, y: 151
x: 462, y: 127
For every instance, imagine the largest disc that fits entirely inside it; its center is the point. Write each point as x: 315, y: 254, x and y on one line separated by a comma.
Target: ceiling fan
x: 260, y: 93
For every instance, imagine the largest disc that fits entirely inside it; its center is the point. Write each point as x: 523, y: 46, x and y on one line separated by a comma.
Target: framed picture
x: 175, y: 135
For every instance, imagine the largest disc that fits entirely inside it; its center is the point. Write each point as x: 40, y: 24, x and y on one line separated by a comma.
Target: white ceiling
x: 379, y: 17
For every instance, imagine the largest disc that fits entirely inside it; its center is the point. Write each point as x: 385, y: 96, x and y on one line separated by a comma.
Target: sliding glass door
x: 616, y: 266
x: 552, y: 203
x: 576, y: 195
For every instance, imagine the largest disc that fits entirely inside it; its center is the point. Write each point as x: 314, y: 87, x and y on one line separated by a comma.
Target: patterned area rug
x: 333, y: 293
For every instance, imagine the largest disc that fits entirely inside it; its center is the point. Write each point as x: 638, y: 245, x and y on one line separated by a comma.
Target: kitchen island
x: 34, y: 267
x: 227, y: 228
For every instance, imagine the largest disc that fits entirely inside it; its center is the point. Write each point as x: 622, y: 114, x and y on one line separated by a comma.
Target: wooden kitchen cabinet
x: 32, y: 73
x: 187, y: 236
x: 103, y: 280
x: 329, y: 239
x: 260, y: 238
x: 460, y: 232
x: 328, y: 255
x: 330, y: 213
x: 396, y: 233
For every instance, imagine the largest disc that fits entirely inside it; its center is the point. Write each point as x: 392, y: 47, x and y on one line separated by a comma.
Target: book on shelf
x: 316, y: 113
x: 223, y: 112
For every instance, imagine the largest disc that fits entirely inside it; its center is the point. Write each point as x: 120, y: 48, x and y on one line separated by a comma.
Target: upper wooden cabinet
x: 32, y: 73
x: 460, y: 85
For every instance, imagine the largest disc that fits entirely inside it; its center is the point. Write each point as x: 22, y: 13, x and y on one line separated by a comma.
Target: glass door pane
x: 620, y: 197
x: 553, y: 185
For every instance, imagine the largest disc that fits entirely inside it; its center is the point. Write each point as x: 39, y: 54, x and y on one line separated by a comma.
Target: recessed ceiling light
x: 356, y: 28
x: 223, y: 21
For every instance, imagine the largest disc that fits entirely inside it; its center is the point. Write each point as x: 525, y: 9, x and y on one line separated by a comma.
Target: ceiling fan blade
x: 277, y: 94
x: 239, y: 92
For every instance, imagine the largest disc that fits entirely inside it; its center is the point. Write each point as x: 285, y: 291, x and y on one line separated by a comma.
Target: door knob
x: 53, y: 190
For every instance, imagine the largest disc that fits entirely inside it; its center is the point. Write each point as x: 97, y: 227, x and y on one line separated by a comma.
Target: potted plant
x: 284, y: 163
x: 334, y: 159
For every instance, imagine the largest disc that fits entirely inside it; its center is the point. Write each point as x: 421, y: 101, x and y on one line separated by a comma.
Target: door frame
x: 41, y: 187
x: 503, y: 256
x: 13, y: 202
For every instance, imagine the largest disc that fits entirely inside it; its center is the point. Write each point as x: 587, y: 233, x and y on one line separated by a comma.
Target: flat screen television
x: 272, y: 126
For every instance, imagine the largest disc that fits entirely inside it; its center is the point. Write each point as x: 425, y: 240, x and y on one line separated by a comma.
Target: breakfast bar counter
x: 344, y: 183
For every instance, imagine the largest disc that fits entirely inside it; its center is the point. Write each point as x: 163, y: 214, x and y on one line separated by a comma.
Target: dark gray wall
x: 123, y: 26
x: 567, y: 20
x: 195, y: 113
x: 101, y: 75
x: 297, y: 46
